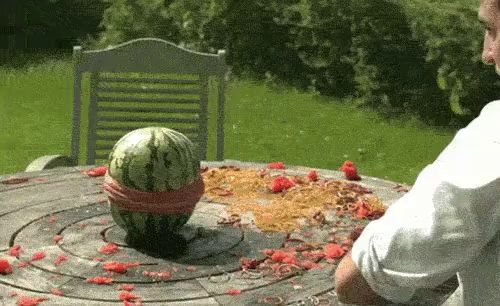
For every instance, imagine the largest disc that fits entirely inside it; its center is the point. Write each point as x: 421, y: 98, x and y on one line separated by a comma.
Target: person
x: 447, y: 224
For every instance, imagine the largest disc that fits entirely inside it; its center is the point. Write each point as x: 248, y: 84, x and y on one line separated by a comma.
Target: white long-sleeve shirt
x: 448, y: 223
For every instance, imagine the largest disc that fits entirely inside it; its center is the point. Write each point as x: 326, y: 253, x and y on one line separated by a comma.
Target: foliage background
x: 420, y: 57
x: 401, y: 58
x: 50, y: 24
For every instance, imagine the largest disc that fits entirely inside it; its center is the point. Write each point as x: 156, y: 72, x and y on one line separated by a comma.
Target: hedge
x: 420, y: 57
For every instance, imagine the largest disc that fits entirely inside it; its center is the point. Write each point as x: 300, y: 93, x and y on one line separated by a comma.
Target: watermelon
x: 152, y: 160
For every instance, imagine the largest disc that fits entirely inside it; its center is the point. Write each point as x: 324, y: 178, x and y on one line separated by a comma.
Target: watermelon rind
x: 143, y: 224
x: 152, y: 159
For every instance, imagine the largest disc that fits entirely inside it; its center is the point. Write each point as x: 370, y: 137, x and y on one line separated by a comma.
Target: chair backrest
x: 146, y: 82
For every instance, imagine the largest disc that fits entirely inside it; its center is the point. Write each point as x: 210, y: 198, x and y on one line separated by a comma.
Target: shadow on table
x: 192, y: 245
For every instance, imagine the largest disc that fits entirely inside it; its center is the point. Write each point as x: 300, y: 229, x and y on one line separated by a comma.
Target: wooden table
x: 66, y: 202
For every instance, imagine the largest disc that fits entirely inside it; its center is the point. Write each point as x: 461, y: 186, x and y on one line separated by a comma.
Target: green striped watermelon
x: 152, y: 159
x: 152, y: 226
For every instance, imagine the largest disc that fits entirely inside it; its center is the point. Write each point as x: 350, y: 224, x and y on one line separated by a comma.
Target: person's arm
x: 351, y: 287
x: 438, y: 227
x: 423, y: 239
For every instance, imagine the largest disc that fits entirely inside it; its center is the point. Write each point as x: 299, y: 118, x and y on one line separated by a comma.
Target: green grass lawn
x: 262, y: 124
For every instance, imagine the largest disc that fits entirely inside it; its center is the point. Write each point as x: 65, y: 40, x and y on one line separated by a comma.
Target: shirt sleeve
x: 450, y: 214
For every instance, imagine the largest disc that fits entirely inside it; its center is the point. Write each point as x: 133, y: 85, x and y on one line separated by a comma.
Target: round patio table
x: 61, y: 220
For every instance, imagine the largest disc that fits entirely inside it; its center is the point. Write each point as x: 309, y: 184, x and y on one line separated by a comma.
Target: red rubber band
x: 180, y: 201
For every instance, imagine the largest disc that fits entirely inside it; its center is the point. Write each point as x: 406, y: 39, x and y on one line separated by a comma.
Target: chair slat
x: 148, y: 100
x: 187, y: 131
x: 94, y: 80
x: 108, y: 137
x: 111, y: 128
x: 138, y: 90
x: 102, y: 156
x: 148, y: 109
x: 115, y: 138
x: 148, y: 80
x: 104, y: 146
x: 203, y: 137
x: 146, y: 119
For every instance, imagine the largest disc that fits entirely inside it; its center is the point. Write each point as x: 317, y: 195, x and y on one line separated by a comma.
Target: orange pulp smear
x: 248, y: 189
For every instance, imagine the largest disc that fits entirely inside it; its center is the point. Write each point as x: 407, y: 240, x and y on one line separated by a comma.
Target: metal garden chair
x: 140, y: 83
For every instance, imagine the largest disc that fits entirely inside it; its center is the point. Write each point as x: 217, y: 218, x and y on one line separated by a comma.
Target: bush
x: 46, y: 28
x: 452, y: 38
x: 190, y: 23
x: 322, y: 40
x: 256, y: 42
x: 129, y: 19
x: 420, y: 57
x: 61, y: 24
x: 260, y: 40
